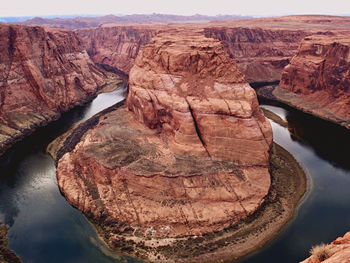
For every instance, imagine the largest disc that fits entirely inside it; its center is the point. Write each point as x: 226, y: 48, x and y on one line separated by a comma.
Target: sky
x: 181, y: 7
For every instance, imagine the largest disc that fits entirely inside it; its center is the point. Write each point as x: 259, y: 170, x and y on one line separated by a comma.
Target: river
x: 323, y: 150
x: 45, y: 228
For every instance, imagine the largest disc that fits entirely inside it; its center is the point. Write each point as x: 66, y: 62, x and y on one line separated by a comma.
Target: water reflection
x: 43, y: 226
x: 325, y: 214
x: 330, y: 141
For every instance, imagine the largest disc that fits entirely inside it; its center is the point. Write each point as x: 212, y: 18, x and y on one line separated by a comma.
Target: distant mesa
x: 85, y: 22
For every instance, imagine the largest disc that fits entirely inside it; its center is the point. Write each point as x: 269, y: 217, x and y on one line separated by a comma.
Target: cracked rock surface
x: 190, y: 90
x: 187, y: 156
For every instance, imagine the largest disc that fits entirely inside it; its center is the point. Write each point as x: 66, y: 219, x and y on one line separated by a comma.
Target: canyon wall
x: 261, y: 47
x: 42, y: 73
x: 261, y: 54
x: 318, y: 78
x: 188, y: 156
x: 116, y: 46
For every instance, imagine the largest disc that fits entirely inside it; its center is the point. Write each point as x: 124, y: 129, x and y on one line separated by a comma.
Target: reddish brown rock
x: 42, y: 73
x: 116, y: 46
x: 261, y: 54
x: 192, y: 91
x: 336, y: 252
x: 261, y: 47
x: 318, y: 78
x: 190, y: 158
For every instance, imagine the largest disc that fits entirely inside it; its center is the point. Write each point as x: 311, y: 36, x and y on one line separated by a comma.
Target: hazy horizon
x: 19, y: 8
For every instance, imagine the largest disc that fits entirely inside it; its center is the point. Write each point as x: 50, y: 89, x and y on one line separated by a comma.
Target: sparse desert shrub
x: 321, y: 251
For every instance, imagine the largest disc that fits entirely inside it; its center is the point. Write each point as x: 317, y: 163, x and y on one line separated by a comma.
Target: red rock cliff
x: 42, y: 73
x: 216, y: 112
x: 116, y: 46
x: 190, y: 158
x: 261, y: 54
x: 318, y: 78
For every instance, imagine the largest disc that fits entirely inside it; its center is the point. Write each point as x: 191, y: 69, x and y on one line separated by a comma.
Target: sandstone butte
x: 336, y: 252
x: 187, y: 157
x: 260, y: 47
x: 42, y: 73
x: 318, y: 78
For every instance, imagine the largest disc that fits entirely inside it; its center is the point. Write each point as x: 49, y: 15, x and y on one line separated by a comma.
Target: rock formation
x: 116, y: 46
x: 261, y: 47
x: 190, y: 158
x: 197, y: 74
x: 261, y: 54
x: 42, y: 73
x: 336, y: 252
x: 318, y: 78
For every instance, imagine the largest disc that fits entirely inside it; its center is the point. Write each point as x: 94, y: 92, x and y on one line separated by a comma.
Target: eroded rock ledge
x: 190, y: 157
x: 317, y: 80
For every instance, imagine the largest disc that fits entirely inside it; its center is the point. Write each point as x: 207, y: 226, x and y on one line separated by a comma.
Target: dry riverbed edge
x: 287, y: 188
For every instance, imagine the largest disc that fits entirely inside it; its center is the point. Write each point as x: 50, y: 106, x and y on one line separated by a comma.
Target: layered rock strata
x: 318, y: 78
x: 190, y: 156
x: 261, y: 47
x: 261, y: 54
x: 42, y: 73
x: 190, y: 90
x: 336, y: 252
x: 116, y: 46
